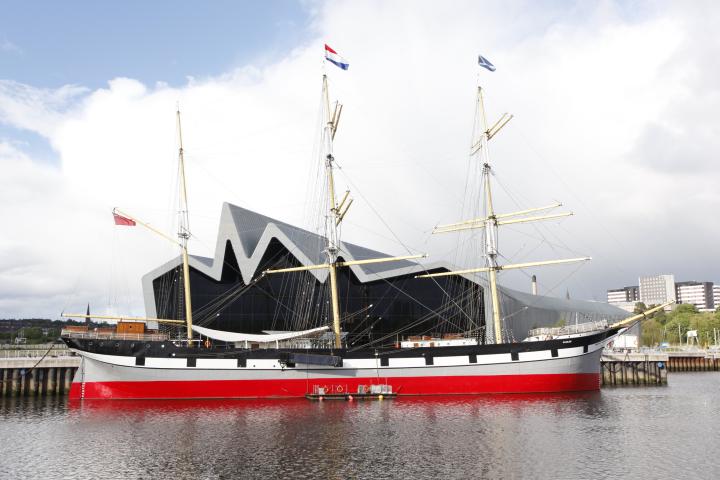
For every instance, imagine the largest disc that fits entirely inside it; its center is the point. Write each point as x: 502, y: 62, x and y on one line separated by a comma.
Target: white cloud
x: 594, y: 93
x: 36, y: 109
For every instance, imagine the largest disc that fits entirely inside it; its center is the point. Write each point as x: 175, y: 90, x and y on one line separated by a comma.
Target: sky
x: 614, y: 108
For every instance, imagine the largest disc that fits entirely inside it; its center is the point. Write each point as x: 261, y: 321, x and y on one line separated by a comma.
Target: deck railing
x: 142, y: 337
x: 570, y: 329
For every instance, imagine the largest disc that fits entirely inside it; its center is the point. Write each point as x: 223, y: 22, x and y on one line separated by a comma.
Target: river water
x: 628, y: 432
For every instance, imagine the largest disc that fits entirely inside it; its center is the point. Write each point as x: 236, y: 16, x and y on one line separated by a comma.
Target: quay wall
x: 633, y: 369
x: 693, y: 362
x: 39, y: 371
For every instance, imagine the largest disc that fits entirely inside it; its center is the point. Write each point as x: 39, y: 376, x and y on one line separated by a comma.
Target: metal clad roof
x: 250, y: 234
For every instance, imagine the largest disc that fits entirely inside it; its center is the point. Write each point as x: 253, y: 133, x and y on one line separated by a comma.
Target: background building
x: 699, y: 294
x: 624, y: 298
x: 657, y: 289
x: 379, y: 302
x: 654, y: 290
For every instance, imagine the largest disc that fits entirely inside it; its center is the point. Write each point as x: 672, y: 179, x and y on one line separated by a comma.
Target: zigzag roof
x: 250, y: 233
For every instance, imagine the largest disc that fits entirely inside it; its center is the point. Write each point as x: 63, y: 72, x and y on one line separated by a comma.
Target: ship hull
x: 530, y: 367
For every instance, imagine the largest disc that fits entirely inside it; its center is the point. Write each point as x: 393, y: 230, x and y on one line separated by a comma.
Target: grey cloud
x: 688, y: 149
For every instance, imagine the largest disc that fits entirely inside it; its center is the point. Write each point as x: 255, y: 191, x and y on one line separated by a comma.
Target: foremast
x: 182, y: 241
x: 335, y: 214
x: 491, y: 221
x: 184, y: 231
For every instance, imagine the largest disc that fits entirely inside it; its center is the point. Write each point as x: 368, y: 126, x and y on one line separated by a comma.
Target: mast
x: 336, y: 214
x: 490, y: 225
x: 183, y: 235
x: 332, y: 218
x: 491, y: 220
x: 184, y: 231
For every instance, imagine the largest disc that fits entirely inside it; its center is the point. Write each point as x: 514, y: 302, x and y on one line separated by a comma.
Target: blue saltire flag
x: 484, y: 62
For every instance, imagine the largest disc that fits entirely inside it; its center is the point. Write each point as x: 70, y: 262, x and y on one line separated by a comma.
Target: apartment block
x: 657, y: 289
x: 699, y: 294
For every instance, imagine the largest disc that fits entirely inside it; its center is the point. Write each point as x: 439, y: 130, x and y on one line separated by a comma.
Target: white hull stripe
x: 348, y: 364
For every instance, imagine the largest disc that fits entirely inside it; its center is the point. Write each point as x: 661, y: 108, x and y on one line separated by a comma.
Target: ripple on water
x: 623, y: 432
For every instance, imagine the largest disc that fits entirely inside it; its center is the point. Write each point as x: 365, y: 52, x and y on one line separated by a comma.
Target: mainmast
x: 332, y: 219
x: 491, y: 224
x: 336, y: 214
x: 490, y: 221
x: 184, y: 231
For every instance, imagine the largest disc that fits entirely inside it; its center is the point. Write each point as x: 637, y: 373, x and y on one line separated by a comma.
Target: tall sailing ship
x: 133, y: 362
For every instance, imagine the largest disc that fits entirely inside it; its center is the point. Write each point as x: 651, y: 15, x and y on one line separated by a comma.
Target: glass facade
x: 378, y: 312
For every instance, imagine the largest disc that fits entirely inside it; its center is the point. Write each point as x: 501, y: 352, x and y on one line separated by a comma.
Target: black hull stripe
x: 155, y: 350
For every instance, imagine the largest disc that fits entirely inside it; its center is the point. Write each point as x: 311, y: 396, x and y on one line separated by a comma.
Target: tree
x: 661, y: 317
x: 652, y: 333
x: 685, y: 308
x: 640, y: 307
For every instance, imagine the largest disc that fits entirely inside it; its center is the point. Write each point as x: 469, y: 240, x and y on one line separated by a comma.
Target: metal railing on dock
x: 36, y: 351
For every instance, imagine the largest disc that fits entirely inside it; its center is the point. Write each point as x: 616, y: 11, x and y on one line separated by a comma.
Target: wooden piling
x: 634, y: 369
x: 58, y: 378
x: 15, y: 383
x: 50, y: 384
x: 68, y: 378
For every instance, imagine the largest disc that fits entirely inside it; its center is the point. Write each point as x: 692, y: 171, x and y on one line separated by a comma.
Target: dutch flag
x: 333, y: 57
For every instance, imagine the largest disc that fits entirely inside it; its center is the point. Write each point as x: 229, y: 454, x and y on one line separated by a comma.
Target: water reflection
x: 585, y: 435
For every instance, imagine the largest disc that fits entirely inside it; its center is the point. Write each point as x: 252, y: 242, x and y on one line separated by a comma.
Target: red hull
x: 544, y: 383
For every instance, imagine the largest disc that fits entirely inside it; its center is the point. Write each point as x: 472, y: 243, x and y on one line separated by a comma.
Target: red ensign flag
x: 120, y: 220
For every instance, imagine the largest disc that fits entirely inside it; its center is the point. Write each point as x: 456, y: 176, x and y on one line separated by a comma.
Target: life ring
x: 339, y: 389
x: 207, y: 343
